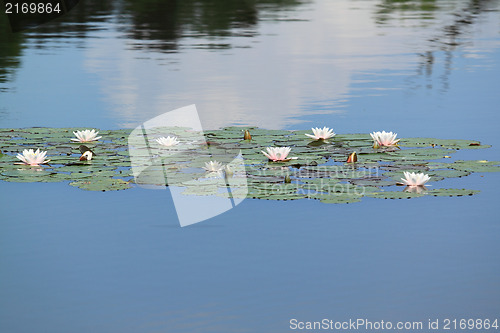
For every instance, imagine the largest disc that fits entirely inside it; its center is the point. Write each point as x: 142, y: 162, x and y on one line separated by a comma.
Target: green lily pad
x: 451, y: 192
x: 394, y: 195
x: 476, y: 166
x: 420, y: 154
x: 445, y: 143
x: 335, y: 198
x: 102, y: 184
x: 448, y: 173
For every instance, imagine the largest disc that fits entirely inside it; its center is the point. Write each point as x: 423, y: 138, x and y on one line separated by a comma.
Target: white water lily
x: 321, y: 133
x: 415, y: 179
x: 278, y: 154
x: 86, y: 136
x: 213, y: 166
x: 384, y: 138
x: 168, y: 141
x: 33, y: 158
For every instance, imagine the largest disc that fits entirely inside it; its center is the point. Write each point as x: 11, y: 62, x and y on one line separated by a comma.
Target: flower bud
x: 353, y: 157
x: 247, y: 135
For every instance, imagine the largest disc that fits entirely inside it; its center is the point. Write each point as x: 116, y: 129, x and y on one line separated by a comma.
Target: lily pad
x: 445, y: 143
x: 335, y: 198
x: 102, y: 185
x: 394, y: 195
x: 451, y: 192
x: 476, y: 166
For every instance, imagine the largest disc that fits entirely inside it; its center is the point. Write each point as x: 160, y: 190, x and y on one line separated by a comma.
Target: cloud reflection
x: 303, y: 67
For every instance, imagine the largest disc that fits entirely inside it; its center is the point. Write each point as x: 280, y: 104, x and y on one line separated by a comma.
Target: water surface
x: 76, y: 261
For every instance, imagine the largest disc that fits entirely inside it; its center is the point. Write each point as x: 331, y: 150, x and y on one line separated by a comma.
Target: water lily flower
x: 87, y: 156
x: 247, y: 135
x: 33, y: 158
x: 415, y: 179
x: 278, y: 154
x: 213, y: 166
x: 86, y: 136
x: 321, y: 133
x: 384, y: 139
x: 353, y: 158
x: 168, y: 141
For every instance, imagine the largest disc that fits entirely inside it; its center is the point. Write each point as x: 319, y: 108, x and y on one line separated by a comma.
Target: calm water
x: 76, y: 261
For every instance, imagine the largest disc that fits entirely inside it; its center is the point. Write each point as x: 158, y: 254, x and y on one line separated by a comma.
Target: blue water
x: 77, y: 261
x: 123, y: 264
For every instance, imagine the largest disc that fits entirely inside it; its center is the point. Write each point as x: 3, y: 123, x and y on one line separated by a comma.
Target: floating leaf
x: 394, y: 195
x: 445, y: 143
x: 335, y: 198
x: 102, y: 184
x: 451, y: 192
x: 476, y: 166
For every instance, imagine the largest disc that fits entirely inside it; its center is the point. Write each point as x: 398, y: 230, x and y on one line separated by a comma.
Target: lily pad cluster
x: 124, y: 157
x: 109, y: 171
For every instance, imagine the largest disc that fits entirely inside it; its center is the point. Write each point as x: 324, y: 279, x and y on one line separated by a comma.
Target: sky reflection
x: 316, y: 62
x: 302, y: 67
